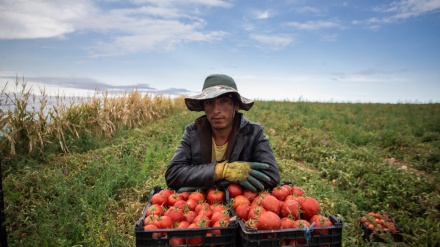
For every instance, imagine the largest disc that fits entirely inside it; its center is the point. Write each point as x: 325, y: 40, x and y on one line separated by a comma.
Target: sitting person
x: 222, y: 146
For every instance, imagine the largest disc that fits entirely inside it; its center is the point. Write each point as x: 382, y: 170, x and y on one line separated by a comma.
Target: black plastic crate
x: 329, y: 236
x: 164, y: 237
x: 323, y: 236
x: 379, y: 235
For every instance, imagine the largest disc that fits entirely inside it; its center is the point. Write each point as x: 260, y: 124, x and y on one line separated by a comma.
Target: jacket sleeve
x: 182, y: 171
x: 262, y: 152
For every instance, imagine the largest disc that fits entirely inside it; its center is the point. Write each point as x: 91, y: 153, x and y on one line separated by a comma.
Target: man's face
x: 220, y: 111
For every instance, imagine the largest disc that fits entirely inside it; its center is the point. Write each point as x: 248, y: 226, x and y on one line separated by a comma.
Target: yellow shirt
x: 218, y: 152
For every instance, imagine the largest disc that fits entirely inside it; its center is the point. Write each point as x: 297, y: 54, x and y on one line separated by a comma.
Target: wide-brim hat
x: 214, y: 86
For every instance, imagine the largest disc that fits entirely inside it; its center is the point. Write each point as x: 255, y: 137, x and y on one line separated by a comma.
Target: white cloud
x: 329, y: 37
x: 313, y: 25
x: 272, y: 41
x: 262, y: 14
x: 209, y: 3
x: 400, y: 10
x: 144, y: 26
x: 151, y: 11
x: 409, y: 8
x: 40, y: 19
x: 165, y: 39
x: 308, y: 10
x: 370, y: 75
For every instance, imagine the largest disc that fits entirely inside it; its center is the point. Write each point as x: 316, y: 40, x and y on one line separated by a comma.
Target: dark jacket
x: 191, y: 164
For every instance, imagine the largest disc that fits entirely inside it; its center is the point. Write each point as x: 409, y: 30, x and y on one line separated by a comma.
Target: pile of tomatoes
x: 186, y: 210
x: 285, y: 207
x: 379, y: 222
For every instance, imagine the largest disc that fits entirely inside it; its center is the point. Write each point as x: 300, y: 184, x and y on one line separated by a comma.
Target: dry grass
x: 29, y: 123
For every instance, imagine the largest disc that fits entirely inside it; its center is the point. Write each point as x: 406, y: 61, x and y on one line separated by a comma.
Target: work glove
x: 247, y: 174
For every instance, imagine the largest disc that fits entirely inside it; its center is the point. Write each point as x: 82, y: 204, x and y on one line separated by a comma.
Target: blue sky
x: 338, y: 51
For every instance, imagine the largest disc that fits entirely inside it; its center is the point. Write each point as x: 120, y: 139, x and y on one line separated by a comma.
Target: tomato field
x: 350, y: 157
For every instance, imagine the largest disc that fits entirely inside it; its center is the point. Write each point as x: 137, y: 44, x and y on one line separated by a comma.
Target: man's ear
x: 237, y: 107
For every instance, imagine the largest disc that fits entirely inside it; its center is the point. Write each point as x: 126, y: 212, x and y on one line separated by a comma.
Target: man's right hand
x: 245, y: 173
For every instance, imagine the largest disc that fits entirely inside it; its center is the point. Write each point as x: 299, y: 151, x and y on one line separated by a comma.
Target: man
x: 222, y: 146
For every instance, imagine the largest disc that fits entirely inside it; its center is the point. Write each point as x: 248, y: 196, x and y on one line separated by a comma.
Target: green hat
x: 214, y: 86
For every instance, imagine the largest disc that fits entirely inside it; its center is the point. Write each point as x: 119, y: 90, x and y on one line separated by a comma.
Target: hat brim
x: 195, y: 103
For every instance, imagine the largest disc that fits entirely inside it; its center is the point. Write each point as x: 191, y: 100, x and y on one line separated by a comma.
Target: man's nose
x: 216, y: 106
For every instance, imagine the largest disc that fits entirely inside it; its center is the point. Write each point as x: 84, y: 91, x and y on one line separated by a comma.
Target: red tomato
x: 251, y: 223
x: 216, y: 216
x: 320, y: 220
x: 193, y: 225
x: 268, y: 221
x: 280, y: 192
x: 150, y: 219
x: 192, y: 204
x: 183, y: 225
x: 215, y: 196
x: 235, y: 190
x: 173, y: 198
x: 299, y: 199
x: 166, y: 192
x: 164, y: 222
x: 271, y: 203
x: 206, y: 212
x: 177, y: 241
x: 197, y: 196
x: 242, y: 211
x: 284, y: 242
x: 250, y: 194
x: 310, y: 206
x: 297, y: 191
x: 201, y: 206
x: 301, y: 224
x: 176, y: 214
x: 155, y: 209
x: 264, y: 193
x: 202, y: 221
x: 217, y: 232
x: 288, y: 187
x: 240, y: 199
x: 290, y: 208
x: 150, y: 228
x: 190, y: 216
x: 185, y: 195
x: 159, y: 199
x: 218, y: 208
x: 257, y: 201
x: 180, y: 204
x: 287, y: 223
x: 293, y: 242
x: 220, y: 215
x: 209, y: 190
x: 195, y: 240
x: 255, y: 211
x: 290, y: 197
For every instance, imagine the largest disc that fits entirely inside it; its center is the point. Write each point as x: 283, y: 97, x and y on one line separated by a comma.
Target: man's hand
x: 246, y: 174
